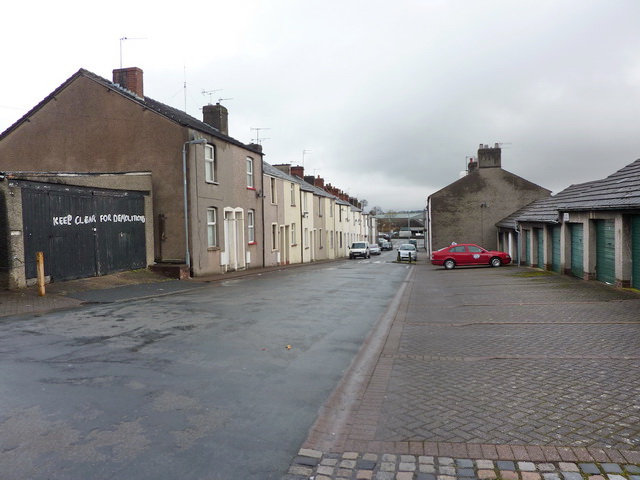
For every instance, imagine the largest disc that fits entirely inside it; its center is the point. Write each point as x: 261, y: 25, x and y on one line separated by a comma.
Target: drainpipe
x: 302, y: 239
x: 263, y: 195
x: 187, y: 257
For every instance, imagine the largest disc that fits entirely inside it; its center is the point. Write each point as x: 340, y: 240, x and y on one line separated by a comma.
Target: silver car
x: 374, y: 249
x: 407, y: 252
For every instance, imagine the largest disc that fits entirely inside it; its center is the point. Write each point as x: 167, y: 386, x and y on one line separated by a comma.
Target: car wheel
x: 449, y: 264
x: 496, y: 262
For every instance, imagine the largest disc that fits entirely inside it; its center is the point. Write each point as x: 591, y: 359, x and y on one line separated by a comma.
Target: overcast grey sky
x: 390, y: 98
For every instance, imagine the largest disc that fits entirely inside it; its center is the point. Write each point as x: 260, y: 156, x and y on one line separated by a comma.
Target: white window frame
x: 250, y: 172
x: 251, y: 223
x: 210, y: 164
x: 293, y: 234
x: 274, y: 191
x: 212, y: 227
x: 293, y: 194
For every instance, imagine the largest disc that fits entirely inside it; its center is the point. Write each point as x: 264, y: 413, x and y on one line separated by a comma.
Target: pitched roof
x: 173, y: 114
x: 471, y: 176
x: 621, y: 190
x: 307, y: 187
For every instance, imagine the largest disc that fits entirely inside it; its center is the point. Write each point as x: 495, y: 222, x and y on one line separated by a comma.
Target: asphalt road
x: 200, y: 384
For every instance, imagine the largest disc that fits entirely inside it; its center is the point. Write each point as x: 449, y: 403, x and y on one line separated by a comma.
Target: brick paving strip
x: 342, y: 443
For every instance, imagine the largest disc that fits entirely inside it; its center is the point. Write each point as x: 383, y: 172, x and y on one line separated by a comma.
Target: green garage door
x: 527, y: 248
x: 577, y: 266
x: 555, y: 249
x: 540, y: 243
x: 605, y: 251
x: 635, y: 251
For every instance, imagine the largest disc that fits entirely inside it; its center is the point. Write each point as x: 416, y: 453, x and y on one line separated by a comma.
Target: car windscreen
x: 359, y: 245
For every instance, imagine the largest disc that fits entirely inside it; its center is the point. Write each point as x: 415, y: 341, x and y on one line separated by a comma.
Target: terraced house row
x: 102, y: 178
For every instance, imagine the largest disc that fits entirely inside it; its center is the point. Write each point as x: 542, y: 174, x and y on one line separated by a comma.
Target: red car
x: 468, y: 254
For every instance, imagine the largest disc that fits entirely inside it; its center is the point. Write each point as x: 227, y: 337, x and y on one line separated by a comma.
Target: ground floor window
x: 212, y: 234
x: 274, y: 236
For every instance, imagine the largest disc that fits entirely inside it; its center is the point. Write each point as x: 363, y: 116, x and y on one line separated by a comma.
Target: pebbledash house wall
x: 467, y: 210
x: 89, y: 124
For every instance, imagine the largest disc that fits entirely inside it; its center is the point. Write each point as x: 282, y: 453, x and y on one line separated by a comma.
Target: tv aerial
x: 210, y: 93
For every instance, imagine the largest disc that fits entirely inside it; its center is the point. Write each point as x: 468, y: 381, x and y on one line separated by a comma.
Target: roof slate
x: 621, y: 190
x: 166, y: 111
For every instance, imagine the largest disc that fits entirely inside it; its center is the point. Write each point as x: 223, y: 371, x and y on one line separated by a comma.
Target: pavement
x: 480, y: 373
x: 470, y: 374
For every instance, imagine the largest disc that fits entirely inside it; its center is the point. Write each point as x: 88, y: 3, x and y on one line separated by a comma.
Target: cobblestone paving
x: 316, y: 465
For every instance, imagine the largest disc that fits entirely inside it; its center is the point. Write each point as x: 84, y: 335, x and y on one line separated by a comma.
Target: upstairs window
x: 249, y: 172
x: 293, y: 194
x: 210, y: 164
x: 274, y: 193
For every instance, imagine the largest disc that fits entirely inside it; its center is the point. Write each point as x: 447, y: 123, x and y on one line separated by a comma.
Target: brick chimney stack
x: 489, y: 157
x: 217, y: 116
x: 319, y: 182
x: 284, y: 167
x: 298, y: 171
x: 130, y: 79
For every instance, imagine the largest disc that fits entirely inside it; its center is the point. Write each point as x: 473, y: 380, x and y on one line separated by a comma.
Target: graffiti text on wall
x: 89, y: 219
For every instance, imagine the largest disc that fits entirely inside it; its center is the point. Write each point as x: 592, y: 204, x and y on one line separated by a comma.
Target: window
x: 305, y: 207
x: 251, y: 216
x: 320, y: 239
x: 331, y: 240
x: 209, y: 164
x: 274, y: 236
x: 320, y: 205
x: 293, y: 234
x: 249, y: 172
x: 274, y: 198
x: 212, y: 234
x: 330, y: 208
x: 293, y: 194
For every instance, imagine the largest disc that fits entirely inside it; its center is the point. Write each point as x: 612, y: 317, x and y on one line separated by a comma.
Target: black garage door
x: 83, y: 232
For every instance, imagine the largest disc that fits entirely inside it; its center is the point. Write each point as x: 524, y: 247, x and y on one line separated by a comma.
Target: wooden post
x: 40, y: 268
